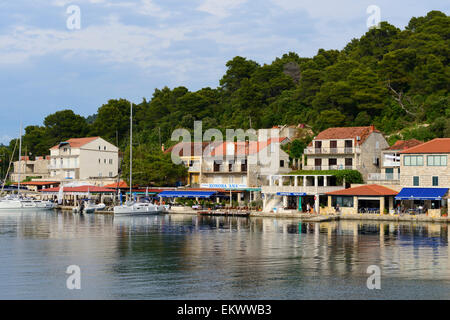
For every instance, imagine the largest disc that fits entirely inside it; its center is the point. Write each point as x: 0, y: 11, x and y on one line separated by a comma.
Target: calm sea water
x: 190, y: 257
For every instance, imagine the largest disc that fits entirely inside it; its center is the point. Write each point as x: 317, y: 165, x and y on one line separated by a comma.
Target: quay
x: 227, y: 213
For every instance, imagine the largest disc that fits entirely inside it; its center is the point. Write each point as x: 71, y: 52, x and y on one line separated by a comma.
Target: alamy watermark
x: 73, y: 22
x: 374, y: 20
x: 74, y: 280
x: 253, y: 147
x: 374, y: 280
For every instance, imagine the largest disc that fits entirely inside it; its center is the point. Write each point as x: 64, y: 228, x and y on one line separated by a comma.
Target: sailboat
x: 18, y: 202
x: 132, y: 207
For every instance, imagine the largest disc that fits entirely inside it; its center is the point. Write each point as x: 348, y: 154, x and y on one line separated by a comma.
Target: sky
x: 126, y: 49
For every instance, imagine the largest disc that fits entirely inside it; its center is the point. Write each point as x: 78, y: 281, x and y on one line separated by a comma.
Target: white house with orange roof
x: 84, y: 159
x: 356, y: 148
x: 246, y: 164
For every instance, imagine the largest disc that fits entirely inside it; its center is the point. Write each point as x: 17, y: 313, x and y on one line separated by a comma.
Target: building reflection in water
x: 184, y: 256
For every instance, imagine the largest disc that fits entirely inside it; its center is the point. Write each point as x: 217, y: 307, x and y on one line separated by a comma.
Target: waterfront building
x: 191, y: 153
x: 243, y: 165
x: 390, y: 163
x: 355, y: 148
x: 37, y: 168
x: 84, y: 159
x: 296, y: 193
x: 369, y: 198
x: 425, y: 175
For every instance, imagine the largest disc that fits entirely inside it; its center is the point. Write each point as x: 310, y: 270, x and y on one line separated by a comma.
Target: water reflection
x: 183, y: 256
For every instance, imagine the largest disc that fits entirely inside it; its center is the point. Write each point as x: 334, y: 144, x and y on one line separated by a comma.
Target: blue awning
x: 298, y: 194
x: 186, y: 194
x: 421, y: 194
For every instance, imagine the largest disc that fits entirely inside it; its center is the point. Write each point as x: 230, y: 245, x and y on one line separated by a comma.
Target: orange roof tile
x: 346, y: 133
x: 76, y: 142
x: 37, y: 183
x: 121, y: 184
x: 404, y: 144
x: 438, y: 145
x: 365, y: 190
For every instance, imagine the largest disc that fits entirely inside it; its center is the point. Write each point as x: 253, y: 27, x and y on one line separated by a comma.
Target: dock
x: 228, y: 213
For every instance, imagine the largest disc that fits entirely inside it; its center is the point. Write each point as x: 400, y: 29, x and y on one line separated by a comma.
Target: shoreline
x: 327, y: 218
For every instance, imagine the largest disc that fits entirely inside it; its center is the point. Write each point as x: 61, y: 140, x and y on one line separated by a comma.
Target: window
x: 99, y: 160
x: 413, y: 161
x: 435, y: 181
x: 332, y: 162
x: 99, y: 148
x: 110, y: 174
x: 110, y: 161
x: 436, y: 160
x: 104, y: 161
x: 416, y: 181
x: 282, y: 163
x: 343, y: 201
x: 104, y: 148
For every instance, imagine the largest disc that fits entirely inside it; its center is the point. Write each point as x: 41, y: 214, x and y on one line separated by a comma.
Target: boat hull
x: 138, y: 209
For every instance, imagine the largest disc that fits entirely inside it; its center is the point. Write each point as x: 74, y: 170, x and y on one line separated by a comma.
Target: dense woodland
x: 396, y: 79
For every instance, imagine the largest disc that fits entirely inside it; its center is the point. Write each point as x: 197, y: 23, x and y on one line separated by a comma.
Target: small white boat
x: 19, y: 203
x: 138, y: 208
x: 88, y: 206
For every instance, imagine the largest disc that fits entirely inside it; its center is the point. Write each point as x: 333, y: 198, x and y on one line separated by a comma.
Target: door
x: 389, y: 173
x: 318, y: 164
x: 333, y: 146
x: 318, y: 146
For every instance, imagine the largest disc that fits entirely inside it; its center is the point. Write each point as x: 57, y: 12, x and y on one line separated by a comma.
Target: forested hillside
x: 395, y: 79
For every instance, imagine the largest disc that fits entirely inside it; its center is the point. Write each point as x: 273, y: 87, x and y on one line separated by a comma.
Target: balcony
x: 386, y: 178
x: 237, y: 168
x: 332, y: 167
x: 61, y: 166
x: 328, y: 151
x: 195, y: 168
x: 390, y: 163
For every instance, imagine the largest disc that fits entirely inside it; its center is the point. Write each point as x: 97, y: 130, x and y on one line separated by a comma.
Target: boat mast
x: 131, y: 147
x: 20, y: 159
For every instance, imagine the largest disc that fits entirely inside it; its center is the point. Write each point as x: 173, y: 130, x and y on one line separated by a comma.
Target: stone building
x: 356, y: 148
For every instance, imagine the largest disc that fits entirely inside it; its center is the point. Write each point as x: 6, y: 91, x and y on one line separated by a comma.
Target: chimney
x: 372, y: 128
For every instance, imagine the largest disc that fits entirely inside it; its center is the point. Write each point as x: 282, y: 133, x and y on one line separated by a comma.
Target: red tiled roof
x: 404, y: 144
x: 365, y: 190
x: 346, y: 133
x: 81, y: 189
x: 76, y: 142
x: 121, y: 184
x: 37, y: 183
x: 438, y: 145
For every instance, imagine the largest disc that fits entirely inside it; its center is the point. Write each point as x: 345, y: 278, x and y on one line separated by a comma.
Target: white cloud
x: 220, y: 8
x: 112, y: 42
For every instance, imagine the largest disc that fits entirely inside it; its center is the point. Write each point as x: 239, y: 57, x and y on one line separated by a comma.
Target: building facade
x: 243, y: 164
x: 84, y: 159
x: 27, y: 168
x: 355, y: 148
x: 390, y: 163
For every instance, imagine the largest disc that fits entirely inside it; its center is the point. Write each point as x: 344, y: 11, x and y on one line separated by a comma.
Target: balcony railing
x: 390, y: 163
x: 194, y: 168
x: 225, y: 168
x: 384, y: 177
x: 330, y: 167
x: 61, y: 166
x: 328, y: 150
